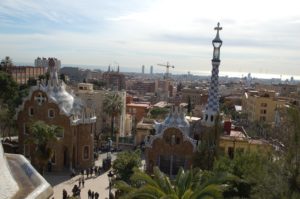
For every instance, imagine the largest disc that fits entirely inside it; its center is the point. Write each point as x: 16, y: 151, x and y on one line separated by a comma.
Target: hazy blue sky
x: 258, y: 36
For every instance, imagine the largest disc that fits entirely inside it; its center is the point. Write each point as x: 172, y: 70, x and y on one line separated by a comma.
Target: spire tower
x: 212, y: 106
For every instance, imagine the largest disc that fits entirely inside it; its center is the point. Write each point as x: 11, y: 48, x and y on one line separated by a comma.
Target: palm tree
x: 112, y: 105
x: 187, y: 185
x: 6, y: 62
x: 42, y: 136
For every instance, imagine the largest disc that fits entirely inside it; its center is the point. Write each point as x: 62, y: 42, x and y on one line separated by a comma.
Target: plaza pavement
x: 62, y: 180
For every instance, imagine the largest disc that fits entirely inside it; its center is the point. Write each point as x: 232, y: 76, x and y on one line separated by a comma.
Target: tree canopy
x: 191, y: 184
x: 125, y: 162
x: 113, y: 106
x: 43, y: 136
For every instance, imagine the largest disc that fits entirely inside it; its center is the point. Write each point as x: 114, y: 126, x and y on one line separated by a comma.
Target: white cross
x: 40, y: 99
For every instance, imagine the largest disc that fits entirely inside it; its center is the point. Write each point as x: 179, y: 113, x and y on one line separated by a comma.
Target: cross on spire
x: 218, y: 27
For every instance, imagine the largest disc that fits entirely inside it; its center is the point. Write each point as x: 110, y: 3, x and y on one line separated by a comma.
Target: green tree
x: 292, y: 152
x: 31, y: 82
x: 187, y: 185
x: 261, y: 176
x: 158, y: 113
x: 9, y: 100
x: 125, y: 162
x: 113, y: 106
x: 6, y: 62
x: 42, y: 136
x: 9, y: 88
x: 208, y: 148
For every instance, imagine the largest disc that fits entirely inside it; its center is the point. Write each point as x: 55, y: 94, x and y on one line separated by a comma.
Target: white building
x: 94, y: 99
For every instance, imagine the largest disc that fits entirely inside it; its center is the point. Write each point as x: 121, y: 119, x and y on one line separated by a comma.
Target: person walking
x: 79, y: 182
x: 93, y: 194
x: 65, y: 194
x: 91, y: 171
x: 89, y: 194
x: 82, y: 182
x: 96, y: 195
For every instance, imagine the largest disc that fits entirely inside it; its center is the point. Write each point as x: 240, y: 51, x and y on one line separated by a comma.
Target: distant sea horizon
x: 160, y: 70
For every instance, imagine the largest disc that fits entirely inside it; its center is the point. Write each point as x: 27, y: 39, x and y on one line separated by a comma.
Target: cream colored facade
x: 261, y: 105
x: 197, y: 96
x: 94, y: 99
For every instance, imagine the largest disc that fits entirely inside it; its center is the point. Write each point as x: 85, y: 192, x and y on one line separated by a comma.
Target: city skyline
x: 259, y: 37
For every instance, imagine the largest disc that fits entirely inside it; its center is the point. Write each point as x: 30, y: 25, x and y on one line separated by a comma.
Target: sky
x: 259, y: 36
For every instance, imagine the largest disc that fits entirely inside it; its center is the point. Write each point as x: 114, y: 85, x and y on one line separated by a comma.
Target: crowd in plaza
x: 76, y: 190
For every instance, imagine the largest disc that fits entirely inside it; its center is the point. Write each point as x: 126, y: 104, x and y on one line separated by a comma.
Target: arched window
x: 30, y: 111
x: 51, y: 113
x: 211, y: 118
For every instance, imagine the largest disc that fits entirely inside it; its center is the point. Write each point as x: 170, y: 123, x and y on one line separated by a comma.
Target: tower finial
x: 218, y: 28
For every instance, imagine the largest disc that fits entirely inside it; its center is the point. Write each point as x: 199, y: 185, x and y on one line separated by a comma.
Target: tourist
x: 83, y: 182
x: 75, y: 190
x: 65, y: 194
x: 72, y: 173
x: 87, y: 173
x: 91, y: 171
x: 96, y: 195
x: 89, y: 194
x: 79, y: 182
x: 92, y: 195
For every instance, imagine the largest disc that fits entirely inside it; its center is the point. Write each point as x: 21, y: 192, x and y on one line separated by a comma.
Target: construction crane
x: 167, y: 68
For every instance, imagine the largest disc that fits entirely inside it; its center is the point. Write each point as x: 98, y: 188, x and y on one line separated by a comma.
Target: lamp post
x: 110, y: 175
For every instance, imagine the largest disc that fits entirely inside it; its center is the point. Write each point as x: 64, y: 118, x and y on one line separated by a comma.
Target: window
x: 177, y: 140
x: 263, y: 111
x: 51, y: 113
x: 86, y: 153
x: 30, y: 111
x: 263, y: 104
x: 211, y: 118
x: 206, y: 117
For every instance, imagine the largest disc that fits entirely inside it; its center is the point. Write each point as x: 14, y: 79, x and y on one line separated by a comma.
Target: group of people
x: 89, y: 172
x: 93, y: 195
x: 81, y: 182
x: 77, y: 188
x: 76, y: 192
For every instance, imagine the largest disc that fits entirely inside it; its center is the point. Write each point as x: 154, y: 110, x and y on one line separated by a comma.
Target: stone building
x: 171, y: 146
x: 52, y: 104
x: 94, y: 100
x: 21, y: 74
x: 261, y: 105
x: 114, y: 80
x: 198, y: 96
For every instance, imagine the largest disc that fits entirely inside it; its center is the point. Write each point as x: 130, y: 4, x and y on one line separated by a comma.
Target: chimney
x: 227, y: 127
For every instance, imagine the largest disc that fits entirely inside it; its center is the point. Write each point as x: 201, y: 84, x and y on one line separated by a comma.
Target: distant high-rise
x: 143, y: 69
x: 151, y: 70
